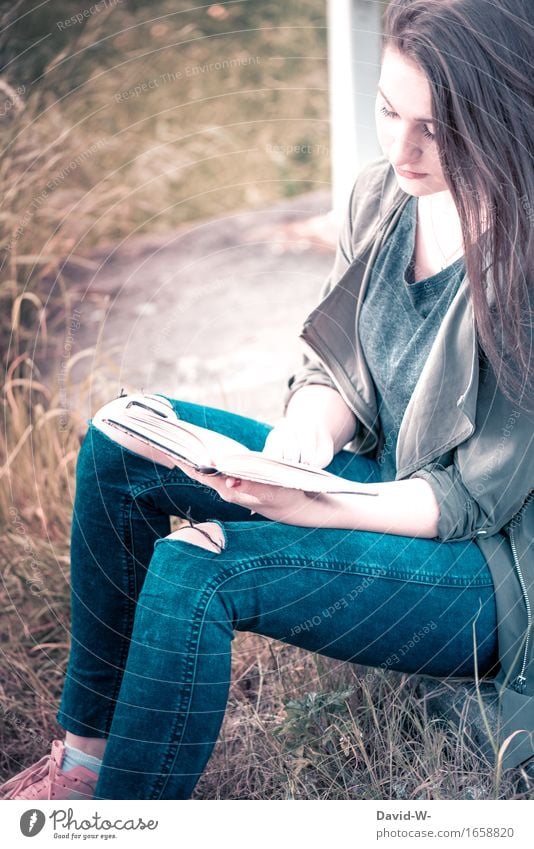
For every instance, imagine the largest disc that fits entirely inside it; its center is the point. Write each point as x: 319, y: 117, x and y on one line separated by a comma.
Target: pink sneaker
x: 44, y: 780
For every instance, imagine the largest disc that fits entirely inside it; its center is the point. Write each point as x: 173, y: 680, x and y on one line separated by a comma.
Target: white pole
x: 354, y: 29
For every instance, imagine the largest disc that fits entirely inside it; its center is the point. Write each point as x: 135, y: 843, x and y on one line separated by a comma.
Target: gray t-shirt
x: 399, y: 320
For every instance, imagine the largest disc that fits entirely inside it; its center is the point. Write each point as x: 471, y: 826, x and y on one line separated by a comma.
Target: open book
x: 152, y: 420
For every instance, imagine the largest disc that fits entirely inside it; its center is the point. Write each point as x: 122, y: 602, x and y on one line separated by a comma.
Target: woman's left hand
x: 289, y: 506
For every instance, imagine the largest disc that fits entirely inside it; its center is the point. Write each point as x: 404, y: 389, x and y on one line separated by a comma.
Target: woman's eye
x: 387, y: 113
x: 426, y: 132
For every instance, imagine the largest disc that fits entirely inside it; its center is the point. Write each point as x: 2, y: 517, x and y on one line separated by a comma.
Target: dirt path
x: 210, y: 313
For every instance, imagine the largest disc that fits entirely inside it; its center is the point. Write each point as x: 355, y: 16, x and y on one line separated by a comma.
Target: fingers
x: 309, y: 448
x: 225, y: 486
x: 282, y: 443
x: 255, y: 497
x: 232, y: 483
x: 299, y: 442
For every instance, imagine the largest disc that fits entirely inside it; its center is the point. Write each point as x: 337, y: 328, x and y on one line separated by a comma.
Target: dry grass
x: 141, y: 118
x: 298, y: 725
x: 301, y: 726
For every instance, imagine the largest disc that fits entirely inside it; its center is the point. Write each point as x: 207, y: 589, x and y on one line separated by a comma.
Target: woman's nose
x: 404, y: 150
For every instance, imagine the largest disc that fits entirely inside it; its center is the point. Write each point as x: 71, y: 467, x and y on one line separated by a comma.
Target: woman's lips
x: 409, y: 175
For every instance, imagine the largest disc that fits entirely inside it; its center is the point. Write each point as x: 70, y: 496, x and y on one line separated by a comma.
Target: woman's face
x: 404, y: 125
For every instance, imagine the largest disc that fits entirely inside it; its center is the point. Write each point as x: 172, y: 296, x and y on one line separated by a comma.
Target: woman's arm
x: 316, y: 426
x: 327, y: 407
x: 406, y: 508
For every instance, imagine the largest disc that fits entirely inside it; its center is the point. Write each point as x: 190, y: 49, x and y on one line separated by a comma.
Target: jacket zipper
x: 520, y: 681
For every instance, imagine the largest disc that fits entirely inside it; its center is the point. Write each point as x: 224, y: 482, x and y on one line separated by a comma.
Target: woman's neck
x: 438, y: 234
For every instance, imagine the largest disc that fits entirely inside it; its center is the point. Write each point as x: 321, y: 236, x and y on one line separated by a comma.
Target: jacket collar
x: 441, y: 412
x: 446, y: 392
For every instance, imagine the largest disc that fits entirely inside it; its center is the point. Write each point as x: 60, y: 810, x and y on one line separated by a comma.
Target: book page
x: 215, y: 453
x: 258, y: 467
x: 196, y: 445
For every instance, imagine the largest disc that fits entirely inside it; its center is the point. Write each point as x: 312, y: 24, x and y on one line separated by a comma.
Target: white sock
x: 75, y: 757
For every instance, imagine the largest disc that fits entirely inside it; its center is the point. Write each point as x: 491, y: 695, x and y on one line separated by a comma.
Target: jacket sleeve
x: 311, y: 371
x: 490, y: 474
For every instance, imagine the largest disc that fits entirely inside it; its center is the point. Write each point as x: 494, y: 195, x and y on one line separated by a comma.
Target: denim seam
x: 374, y: 568
x: 348, y: 567
x: 176, y: 472
x: 197, y: 621
x: 127, y: 619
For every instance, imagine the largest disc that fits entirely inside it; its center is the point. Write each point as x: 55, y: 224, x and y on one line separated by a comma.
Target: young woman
x: 416, y: 383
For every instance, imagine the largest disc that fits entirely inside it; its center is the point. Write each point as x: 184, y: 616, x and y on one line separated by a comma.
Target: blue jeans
x: 153, y: 618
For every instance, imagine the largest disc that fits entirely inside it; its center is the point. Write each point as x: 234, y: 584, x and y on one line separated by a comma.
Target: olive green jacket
x: 459, y: 432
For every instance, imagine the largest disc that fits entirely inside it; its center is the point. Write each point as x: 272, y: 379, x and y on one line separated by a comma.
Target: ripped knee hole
x: 208, y: 535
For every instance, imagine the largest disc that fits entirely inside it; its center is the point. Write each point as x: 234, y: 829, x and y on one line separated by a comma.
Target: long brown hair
x: 476, y: 55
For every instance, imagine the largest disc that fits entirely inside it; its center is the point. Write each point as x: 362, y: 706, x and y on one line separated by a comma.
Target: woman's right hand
x: 298, y: 440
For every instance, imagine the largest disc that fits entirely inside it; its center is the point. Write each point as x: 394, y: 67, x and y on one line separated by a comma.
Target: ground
x: 209, y: 313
